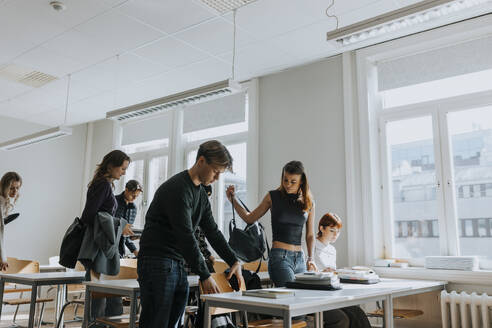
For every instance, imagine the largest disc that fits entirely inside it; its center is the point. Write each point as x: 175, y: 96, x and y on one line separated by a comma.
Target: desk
x: 36, y: 280
x: 124, y: 287
x: 317, y: 301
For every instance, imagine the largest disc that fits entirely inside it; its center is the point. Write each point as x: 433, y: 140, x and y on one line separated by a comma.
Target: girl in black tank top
x: 291, y: 206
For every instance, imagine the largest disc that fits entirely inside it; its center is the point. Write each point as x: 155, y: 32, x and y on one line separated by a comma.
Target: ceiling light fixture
x: 400, y: 19
x: 44, y: 135
x: 190, y: 97
x: 182, y: 99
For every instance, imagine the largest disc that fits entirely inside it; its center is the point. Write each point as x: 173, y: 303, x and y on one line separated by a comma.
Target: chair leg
x: 15, y: 314
x: 41, y: 315
x: 61, y: 313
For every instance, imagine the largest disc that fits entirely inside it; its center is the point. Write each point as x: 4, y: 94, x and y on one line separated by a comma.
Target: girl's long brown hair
x: 112, y: 159
x: 5, y: 183
x: 305, y: 197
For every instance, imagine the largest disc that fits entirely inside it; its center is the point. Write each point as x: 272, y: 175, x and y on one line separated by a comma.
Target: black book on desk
x: 312, y: 285
x: 11, y: 218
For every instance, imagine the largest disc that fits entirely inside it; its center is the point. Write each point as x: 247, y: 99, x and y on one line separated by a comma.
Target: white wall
x: 51, y: 190
x: 301, y: 118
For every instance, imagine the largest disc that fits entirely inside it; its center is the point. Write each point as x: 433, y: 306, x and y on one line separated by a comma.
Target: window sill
x: 480, y: 277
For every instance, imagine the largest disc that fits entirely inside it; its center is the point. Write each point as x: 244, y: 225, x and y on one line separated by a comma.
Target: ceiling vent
x: 224, y: 6
x: 44, y: 135
x: 186, y: 98
x: 26, y: 76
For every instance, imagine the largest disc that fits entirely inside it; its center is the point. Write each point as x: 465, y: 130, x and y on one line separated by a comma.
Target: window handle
x: 438, y: 184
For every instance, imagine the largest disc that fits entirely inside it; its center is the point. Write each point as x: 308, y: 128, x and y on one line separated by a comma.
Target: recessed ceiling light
x: 58, y: 5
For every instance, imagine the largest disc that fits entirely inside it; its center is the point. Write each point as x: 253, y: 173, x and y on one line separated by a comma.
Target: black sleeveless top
x: 288, y: 218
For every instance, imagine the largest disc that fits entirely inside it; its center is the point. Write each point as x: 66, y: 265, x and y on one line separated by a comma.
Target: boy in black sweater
x: 180, y: 205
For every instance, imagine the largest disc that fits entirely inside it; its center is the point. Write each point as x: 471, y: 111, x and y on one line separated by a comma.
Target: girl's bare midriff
x: 289, y: 247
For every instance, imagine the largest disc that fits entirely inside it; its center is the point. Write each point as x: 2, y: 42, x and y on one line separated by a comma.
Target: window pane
x: 413, y: 177
x: 238, y: 153
x: 135, y: 171
x: 157, y: 175
x: 471, y: 146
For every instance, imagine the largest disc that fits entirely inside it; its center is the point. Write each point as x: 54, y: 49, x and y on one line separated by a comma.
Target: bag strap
x: 232, y: 224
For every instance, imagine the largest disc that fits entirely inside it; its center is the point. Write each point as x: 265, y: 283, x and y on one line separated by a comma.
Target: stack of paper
x: 466, y: 263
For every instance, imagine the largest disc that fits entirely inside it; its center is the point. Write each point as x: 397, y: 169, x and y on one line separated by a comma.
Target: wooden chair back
x: 224, y: 287
x: 132, y: 263
x: 125, y: 273
x: 22, y: 266
x: 220, y: 266
x: 252, y: 266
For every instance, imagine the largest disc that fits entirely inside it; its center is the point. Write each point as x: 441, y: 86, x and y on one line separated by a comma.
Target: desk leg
x: 388, y: 312
x: 61, y: 299
x: 32, y: 308
x: 133, y: 310
x: 206, y: 316
x: 2, y: 286
x: 87, y: 307
x: 318, y: 320
x: 287, y: 320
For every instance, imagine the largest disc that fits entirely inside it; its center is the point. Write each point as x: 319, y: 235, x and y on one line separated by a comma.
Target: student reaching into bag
x: 292, y: 207
x: 180, y: 205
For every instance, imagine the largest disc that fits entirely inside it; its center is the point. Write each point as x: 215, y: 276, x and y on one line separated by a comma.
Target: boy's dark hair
x: 215, y: 153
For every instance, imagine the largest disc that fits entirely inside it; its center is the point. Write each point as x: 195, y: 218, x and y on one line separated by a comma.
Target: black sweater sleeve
x: 180, y: 219
x: 215, y: 237
x: 96, y: 196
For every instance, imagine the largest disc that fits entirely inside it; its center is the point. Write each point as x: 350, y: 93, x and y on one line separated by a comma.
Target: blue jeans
x: 284, y: 264
x: 163, y: 291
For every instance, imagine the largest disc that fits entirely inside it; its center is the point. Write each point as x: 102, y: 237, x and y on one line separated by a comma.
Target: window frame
x: 365, y: 182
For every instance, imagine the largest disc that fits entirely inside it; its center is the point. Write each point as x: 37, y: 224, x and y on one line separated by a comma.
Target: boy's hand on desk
x: 209, y: 286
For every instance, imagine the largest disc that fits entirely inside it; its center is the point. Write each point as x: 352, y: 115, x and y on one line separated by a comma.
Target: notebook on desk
x: 267, y: 293
x: 312, y: 285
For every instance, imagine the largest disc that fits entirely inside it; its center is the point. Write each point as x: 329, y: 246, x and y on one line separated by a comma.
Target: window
x: 167, y: 144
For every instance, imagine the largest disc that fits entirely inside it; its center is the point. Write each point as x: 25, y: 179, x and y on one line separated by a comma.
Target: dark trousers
x: 163, y: 291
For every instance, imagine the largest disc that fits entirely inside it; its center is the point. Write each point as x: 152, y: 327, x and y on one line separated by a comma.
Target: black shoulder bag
x: 71, y: 244
x: 249, y: 243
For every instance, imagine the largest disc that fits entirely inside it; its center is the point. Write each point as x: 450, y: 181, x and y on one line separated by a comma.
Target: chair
x: 252, y: 266
x: 225, y: 287
x: 23, y: 266
x: 397, y: 313
x: 220, y: 266
x: 120, y: 321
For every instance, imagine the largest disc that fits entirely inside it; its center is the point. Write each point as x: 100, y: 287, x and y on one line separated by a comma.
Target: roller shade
x: 157, y: 127
x: 222, y: 111
x: 463, y: 58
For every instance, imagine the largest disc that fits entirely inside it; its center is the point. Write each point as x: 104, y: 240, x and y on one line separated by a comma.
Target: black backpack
x: 251, y: 279
x: 249, y: 243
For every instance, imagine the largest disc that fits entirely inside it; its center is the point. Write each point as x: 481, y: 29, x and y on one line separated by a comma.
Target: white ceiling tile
x: 267, y: 18
x: 80, y: 47
x: 10, y: 109
x: 171, y: 53
x: 92, y: 108
x: 215, y: 36
x: 169, y: 16
x: 118, y: 32
x: 75, y: 12
x: 317, y: 8
x: 114, y: 73
x: 308, y: 41
x: 259, y: 57
x: 210, y: 71
x: 10, y: 89
x: 365, y: 12
x: 52, y: 117
x: 48, y: 61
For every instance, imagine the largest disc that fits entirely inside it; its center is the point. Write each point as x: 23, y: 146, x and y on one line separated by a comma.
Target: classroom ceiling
x: 120, y: 53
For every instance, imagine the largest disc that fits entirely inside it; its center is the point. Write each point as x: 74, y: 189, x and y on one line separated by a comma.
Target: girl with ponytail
x: 291, y: 206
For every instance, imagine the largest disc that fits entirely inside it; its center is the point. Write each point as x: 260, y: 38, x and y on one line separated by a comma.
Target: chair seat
x: 16, y: 290
x: 275, y: 323
x: 397, y: 313
x: 119, y: 321
x: 21, y: 301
